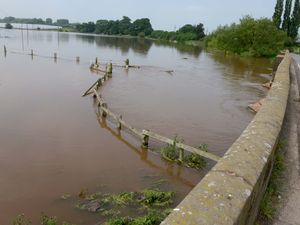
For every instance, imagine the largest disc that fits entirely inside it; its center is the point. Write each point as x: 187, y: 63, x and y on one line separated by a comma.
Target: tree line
x: 48, y: 21
x: 287, y: 17
x: 125, y: 26
x: 142, y: 28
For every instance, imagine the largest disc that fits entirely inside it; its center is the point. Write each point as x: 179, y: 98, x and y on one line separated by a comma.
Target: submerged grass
x: 21, y: 220
x: 124, y: 198
x: 45, y: 220
x: 154, y: 217
x: 150, y: 203
x: 156, y: 198
x: 170, y: 153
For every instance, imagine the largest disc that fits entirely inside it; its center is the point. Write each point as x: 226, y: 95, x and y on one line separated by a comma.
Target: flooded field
x: 53, y: 144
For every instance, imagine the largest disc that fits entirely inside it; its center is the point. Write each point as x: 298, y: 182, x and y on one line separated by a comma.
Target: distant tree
x: 195, y: 32
x: 125, y: 25
x: 33, y: 21
x: 114, y: 27
x: 278, y: 13
x: 188, y: 28
x: 62, y: 22
x: 102, y: 26
x: 200, y: 31
x: 86, y: 27
x: 287, y: 16
x: 8, y: 26
x: 141, y: 25
x: 9, y: 19
x: 295, y: 20
x: 49, y: 21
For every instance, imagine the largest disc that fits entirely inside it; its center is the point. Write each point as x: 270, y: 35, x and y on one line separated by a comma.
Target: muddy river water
x: 51, y: 142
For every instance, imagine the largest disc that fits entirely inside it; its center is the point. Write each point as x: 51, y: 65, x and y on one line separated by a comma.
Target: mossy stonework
x: 232, y: 191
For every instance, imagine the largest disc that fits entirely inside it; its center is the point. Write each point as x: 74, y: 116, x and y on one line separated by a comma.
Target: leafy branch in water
x: 170, y: 153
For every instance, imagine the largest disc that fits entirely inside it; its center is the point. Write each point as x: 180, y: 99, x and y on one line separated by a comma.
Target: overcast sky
x: 164, y: 14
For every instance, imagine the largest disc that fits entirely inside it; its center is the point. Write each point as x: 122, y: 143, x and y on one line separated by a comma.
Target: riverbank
x: 189, y: 43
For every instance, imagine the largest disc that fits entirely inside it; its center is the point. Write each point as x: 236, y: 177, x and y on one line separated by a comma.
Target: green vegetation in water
x: 150, y: 203
x: 124, y: 198
x: 154, y: 217
x: 251, y: 37
x: 269, y: 205
x: 21, y: 220
x: 48, y: 220
x: 156, y: 197
x: 45, y: 220
x: 171, y: 153
x: 196, y: 161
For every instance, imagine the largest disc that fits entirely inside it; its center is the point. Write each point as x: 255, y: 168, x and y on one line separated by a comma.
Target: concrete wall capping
x: 230, y: 194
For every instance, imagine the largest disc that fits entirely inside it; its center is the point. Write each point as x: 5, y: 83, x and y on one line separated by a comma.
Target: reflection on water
x: 194, y: 51
x: 53, y: 143
x: 235, y: 65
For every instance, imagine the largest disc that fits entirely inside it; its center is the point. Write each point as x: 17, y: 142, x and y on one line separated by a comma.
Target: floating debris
x: 256, y: 106
x: 65, y: 196
x: 268, y: 85
x: 83, y: 193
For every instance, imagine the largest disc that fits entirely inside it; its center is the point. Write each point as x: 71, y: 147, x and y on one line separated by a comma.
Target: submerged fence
x: 144, y: 135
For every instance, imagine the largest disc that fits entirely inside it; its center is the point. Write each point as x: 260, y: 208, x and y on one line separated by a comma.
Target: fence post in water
x: 55, y: 56
x: 77, y: 59
x: 119, y: 124
x: 104, y: 105
x: 5, y: 51
x: 145, y: 143
x: 110, y: 69
x: 99, y: 84
x: 31, y: 54
x: 127, y: 63
x: 96, y: 61
x: 181, y: 155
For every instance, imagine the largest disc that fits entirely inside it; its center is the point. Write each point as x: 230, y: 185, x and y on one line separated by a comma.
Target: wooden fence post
x: 77, y: 59
x: 119, y: 124
x: 110, y: 69
x: 55, y: 56
x: 145, y: 143
x: 31, y: 54
x: 127, y: 63
x: 99, y: 84
x: 104, y: 105
x: 5, y: 51
x: 181, y: 155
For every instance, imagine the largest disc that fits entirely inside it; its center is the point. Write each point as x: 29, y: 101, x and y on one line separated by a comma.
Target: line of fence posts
x: 145, y: 135
x: 109, y: 67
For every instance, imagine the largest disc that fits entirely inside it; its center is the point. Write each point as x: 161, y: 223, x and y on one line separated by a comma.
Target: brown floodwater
x: 53, y: 143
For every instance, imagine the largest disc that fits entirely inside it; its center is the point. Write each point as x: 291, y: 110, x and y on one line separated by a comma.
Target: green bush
x: 259, y: 38
x: 8, y: 26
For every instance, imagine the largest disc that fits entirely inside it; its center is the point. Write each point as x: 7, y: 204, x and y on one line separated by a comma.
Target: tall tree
x: 287, y: 16
x: 295, y: 20
x: 278, y: 13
